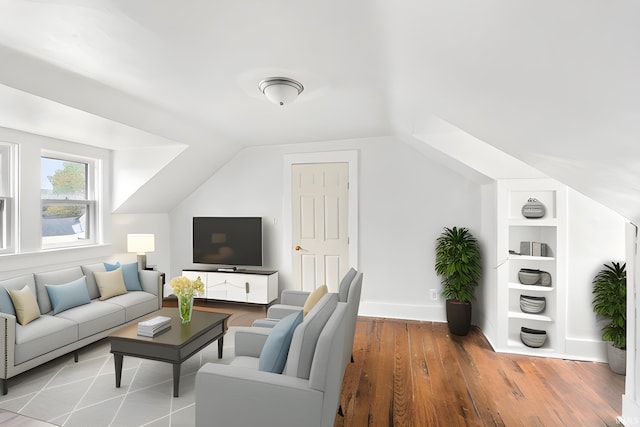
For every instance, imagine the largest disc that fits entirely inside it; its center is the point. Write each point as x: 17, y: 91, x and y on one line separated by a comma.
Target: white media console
x: 249, y: 286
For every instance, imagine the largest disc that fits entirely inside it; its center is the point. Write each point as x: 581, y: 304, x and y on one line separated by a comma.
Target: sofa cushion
x: 274, y: 352
x: 110, y: 283
x: 135, y: 303
x: 6, y: 305
x: 92, y: 286
x: 131, y: 279
x: 313, y: 299
x: 56, y: 277
x: 111, y: 267
x: 68, y: 295
x: 94, y: 317
x: 305, y: 337
x: 327, y: 371
x: 43, y: 335
x: 25, y: 304
x: 345, y: 283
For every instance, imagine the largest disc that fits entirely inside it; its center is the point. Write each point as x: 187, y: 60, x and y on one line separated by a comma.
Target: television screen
x: 227, y: 240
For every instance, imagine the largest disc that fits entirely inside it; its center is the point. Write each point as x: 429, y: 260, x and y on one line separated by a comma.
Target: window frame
x: 91, y: 202
x: 8, y: 168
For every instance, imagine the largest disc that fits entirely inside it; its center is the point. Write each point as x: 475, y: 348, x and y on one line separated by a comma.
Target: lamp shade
x: 280, y: 90
x: 141, y: 243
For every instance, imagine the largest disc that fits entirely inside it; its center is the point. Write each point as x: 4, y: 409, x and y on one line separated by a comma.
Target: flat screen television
x: 228, y: 241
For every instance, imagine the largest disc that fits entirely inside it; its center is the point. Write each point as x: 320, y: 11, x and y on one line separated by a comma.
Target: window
x: 68, y: 205
x: 7, y: 167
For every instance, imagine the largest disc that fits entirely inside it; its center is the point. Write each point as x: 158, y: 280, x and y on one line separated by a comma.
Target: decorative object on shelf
x: 525, y: 248
x: 532, y: 304
x: 533, y: 248
x: 530, y: 276
x: 610, y: 301
x: 458, y: 264
x: 533, y: 208
x: 186, y: 289
x: 141, y: 244
x: 538, y: 249
x: 533, y: 337
x: 280, y: 90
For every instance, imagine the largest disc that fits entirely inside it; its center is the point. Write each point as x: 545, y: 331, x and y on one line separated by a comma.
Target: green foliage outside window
x: 70, y: 180
x: 68, y: 183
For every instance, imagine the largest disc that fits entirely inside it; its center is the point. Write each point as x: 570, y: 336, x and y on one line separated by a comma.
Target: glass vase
x: 185, y: 307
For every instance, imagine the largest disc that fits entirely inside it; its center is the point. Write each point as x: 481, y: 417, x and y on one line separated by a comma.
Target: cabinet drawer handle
x: 246, y: 287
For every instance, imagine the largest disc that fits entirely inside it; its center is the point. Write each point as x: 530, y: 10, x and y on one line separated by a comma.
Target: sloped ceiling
x: 552, y: 83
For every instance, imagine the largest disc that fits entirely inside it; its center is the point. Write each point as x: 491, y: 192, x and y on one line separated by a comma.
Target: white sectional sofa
x: 70, y: 318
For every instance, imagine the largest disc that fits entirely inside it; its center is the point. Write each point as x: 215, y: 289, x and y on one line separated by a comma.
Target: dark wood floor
x: 409, y: 373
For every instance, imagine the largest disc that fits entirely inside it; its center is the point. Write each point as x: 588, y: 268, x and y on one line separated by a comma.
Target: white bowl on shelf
x: 533, y: 337
x: 532, y: 304
x: 528, y: 276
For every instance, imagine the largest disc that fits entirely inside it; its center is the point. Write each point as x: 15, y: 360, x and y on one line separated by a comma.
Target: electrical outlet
x: 434, y: 294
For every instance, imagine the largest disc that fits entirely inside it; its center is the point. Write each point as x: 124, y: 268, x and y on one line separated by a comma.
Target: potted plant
x: 610, y: 301
x: 458, y: 264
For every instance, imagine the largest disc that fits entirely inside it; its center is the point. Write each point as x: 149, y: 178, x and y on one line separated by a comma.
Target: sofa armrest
x: 248, y: 341
x: 150, y: 281
x: 237, y: 396
x: 291, y: 297
x: 280, y: 311
x: 8, y: 345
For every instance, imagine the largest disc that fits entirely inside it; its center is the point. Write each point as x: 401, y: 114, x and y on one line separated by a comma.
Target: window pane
x: 62, y: 179
x: 64, y: 223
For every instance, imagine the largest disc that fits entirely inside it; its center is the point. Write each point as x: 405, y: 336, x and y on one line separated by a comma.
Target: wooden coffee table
x: 174, y: 346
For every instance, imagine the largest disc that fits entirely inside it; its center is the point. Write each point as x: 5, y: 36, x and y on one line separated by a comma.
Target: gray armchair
x: 305, y: 394
x: 353, y: 305
x: 292, y: 301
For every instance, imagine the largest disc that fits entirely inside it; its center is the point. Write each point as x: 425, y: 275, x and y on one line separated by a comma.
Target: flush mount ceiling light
x: 280, y: 90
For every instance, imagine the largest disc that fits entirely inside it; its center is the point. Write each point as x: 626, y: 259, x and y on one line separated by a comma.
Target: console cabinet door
x: 227, y: 286
x: 257, y: 287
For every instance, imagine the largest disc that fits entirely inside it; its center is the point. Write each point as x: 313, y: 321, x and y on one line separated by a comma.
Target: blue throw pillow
x: 131, y: 279
x: 69, y: 295
x: 6, y: 306
x: 276, y: 348
x: 111, y: 267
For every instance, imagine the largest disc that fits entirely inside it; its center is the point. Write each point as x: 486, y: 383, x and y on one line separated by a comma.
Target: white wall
x: 485, y: 313
x: 405, y: 199
x: 596, y: 235
x: 156, y: 224
x: 29, y: 258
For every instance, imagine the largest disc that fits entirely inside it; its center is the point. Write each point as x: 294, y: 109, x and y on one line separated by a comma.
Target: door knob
x: 297, y: 248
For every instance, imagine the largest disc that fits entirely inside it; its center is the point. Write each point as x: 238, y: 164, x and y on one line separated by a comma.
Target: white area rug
x: 83, y: 394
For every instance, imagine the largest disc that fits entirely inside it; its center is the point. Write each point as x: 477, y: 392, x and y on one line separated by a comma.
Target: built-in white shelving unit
x: 513, y: 228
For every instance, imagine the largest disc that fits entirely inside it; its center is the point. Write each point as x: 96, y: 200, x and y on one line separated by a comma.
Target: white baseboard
x: 586, y: 349
x: 630, y: 412
x: 426, y: 313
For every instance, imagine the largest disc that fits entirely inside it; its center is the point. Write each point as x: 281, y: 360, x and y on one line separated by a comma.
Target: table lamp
x: 141, y: 244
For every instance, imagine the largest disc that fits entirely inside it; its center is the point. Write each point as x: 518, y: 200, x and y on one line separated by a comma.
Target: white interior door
x: 320, y: 235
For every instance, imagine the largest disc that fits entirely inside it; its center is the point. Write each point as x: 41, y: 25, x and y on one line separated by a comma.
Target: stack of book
x: 154, y: 326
